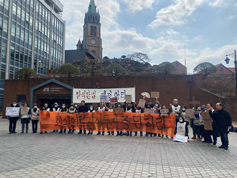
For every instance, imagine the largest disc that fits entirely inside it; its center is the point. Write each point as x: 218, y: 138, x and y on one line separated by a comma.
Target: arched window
x: 95, y: 29
x: 92, y: 33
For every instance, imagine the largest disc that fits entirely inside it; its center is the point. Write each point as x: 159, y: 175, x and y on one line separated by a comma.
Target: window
x: 21, y: 99
x: 221, y: 69
x: 95, y: 29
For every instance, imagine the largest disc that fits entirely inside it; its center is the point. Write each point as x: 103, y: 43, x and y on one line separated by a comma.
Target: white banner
x: 93, y: 95
x: 12, y: 111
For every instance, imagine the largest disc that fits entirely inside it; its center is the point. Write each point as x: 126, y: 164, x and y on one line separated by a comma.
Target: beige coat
x: 35, y: 115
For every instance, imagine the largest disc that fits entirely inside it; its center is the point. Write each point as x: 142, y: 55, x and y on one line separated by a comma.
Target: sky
x: 166, y: 30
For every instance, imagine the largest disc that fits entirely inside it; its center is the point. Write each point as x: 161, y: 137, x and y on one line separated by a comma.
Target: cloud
x: 138, y: 5
x: 222, y: 3
x: 171, y: 32
x: 175, y: 14
x: 217, y: 3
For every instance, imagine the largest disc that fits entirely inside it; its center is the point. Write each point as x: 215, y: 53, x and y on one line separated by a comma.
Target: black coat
x: 222, y: 119
x: 83, y: 109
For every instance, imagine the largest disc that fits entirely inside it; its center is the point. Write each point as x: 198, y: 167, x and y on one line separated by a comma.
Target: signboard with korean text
x: 12, y: 111
x: 128, y: 98
x: 155, y: 94
x: 164, y: 112
x: 189, y: 113
x: 149, y: 111
x: 207, y: 121
x: 24, y: 110
x: 142, y: 103
x: 94, y: 95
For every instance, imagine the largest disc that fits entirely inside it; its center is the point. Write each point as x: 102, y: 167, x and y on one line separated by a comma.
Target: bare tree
x: 140, y: 57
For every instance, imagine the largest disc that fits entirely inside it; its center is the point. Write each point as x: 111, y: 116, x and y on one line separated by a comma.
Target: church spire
x: 92, y: 7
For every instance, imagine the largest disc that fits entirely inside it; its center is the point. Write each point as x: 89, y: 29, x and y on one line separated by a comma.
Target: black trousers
x: 12, y: 124
x: 23, y: 127
x: 224, y: 139
x: 34, y: 125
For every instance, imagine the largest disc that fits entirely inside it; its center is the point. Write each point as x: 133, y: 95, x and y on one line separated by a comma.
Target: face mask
x: 91, y: 108
x: 14, y: 104
x: 55, y: 106
x: 46, y: 106
x: 180, y: 120
x: 63, y: 106
x: 35, y: 106
x: 72, y: 107
x: 156, y: 105
x: 75, y: 105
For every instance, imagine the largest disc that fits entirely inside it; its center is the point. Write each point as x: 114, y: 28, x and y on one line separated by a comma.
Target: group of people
x: 221, y: 120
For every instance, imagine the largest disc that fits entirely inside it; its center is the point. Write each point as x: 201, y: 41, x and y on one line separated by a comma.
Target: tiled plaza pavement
x: 66, y: 155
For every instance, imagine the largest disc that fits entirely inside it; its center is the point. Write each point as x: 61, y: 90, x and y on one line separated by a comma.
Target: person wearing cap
x: 82, y: 109
x: 35, y: 117
x: 56, y: 109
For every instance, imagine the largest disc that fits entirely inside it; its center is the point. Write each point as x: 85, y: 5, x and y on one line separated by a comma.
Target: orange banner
x: 109, y: 121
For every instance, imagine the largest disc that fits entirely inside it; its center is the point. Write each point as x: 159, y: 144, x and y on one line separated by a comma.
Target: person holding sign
x: 91, y: 110
x: 13, y: 119
x: 72, y: 110
x: 181, y: 130
x: 56, y: 108
x: 102, y: 107
x: 223, y: 123
x: 138, y: 109
x: 82, y: 109
x: 214, y: 132
x: 45, y: 108
x: 35, y: 117
x: 25, y: 117
x: 176, y: 108
x: 63, y: 109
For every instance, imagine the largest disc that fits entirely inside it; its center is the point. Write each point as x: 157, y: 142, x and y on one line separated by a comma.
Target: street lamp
x: 227, y: 60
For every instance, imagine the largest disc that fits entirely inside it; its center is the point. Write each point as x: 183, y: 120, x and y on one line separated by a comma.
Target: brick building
x: 225, y: 71
x: 180, y: 68
x: 182, y: 87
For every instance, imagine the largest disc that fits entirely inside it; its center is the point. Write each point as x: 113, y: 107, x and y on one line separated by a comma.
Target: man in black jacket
x: 223, y: 123
x: 82, y: 109
x: 13, y: 119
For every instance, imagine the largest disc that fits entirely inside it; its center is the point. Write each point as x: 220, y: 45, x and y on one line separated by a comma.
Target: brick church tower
x: 92, y: 31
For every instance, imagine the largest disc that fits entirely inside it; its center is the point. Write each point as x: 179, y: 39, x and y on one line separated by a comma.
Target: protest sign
x: 93, y: 95
x: 142, y: 103
x: 155, y: 94
x: 207, y: 121
x: 24, y: 110
x: 189, y: 113
x: 104, y: 99
x: 149, y: 111
x: 180, y: 138
x: 113, y: 100
x: 164, y: 112
x: 109, y: 121
x: 128, y: 98
x: 12, y: 111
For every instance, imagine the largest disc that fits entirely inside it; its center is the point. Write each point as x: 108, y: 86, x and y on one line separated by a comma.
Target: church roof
x: 79, y: 43
x: 92, y: 7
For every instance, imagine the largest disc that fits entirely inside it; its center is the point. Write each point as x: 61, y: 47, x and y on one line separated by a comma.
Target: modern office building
x: 32, y: 34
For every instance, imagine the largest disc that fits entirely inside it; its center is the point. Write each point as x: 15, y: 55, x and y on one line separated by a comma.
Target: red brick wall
x: 182, y: 87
